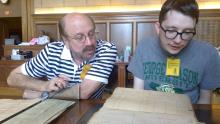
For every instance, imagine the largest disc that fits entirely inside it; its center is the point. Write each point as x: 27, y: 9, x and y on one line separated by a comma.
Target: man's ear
x: 157, y: 27
x: 66, y: 42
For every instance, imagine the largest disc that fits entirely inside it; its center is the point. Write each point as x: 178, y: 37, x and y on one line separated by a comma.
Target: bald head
x: 78, y: 34
x: 74, y: 20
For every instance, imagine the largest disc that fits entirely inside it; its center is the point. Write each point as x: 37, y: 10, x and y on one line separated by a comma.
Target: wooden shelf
x: 8, y: 92
x: 34, y: 48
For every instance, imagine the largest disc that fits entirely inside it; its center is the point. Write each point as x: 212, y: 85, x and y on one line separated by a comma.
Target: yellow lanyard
x: 84, y: 71
x: 173, y: 67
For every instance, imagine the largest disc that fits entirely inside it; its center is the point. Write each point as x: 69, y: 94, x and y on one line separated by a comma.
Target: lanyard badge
x: 84, y: 71
x: 173, y: 67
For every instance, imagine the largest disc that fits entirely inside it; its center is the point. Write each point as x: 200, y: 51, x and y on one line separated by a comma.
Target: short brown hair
x: 186, y: 7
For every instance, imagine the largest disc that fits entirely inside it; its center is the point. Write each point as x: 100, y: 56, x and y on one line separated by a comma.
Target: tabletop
x: 81, y: 112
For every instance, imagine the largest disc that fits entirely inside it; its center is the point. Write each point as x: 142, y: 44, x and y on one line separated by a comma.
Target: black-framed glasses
x: 172, y: 34
x: 82, y: 37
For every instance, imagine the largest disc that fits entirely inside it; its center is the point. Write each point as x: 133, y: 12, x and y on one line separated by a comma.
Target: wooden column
x: 122, y: 73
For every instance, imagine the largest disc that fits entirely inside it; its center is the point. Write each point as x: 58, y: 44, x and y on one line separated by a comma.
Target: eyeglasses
x: 82, y: 37
x: 172, y: 34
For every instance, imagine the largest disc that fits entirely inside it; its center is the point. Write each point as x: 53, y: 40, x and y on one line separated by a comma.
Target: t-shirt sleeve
x: 135, y: 66
x: 35, y: 66
x: 103, y: 64
x: 211, y: 77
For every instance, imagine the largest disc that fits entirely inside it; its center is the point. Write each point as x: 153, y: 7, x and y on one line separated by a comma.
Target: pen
x: 46, y: 95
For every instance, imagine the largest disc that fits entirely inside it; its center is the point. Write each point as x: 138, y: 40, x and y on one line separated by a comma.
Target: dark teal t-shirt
x: 199, y: 68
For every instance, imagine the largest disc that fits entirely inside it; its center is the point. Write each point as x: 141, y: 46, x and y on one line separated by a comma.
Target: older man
x: 79, y: 59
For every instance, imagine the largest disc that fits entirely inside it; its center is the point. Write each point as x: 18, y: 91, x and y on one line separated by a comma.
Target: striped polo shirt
x: 55, y: 59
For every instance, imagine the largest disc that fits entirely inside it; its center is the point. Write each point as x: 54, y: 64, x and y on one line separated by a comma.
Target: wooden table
x: 79, y: 113
x: 84, y: 109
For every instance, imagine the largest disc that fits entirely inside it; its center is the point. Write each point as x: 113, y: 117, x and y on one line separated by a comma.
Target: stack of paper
x: 41, y: 113
x: 10, y: 107
x: 130, y: 106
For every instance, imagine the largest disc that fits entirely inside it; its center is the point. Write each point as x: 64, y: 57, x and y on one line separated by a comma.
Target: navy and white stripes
x: 55, y: 59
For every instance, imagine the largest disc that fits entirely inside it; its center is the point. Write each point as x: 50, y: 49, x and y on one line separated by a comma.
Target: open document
x: 37, y: 111
x: 42, y: 113
x: 131, y: 106
x: 10, y: 107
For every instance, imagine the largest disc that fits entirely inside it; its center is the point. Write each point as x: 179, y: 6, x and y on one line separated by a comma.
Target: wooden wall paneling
x: 51, y: 29
x: 134, y: 34
x: 71, y: 3
x: 149, y: 2
x: 48, y: 23
x: 108, y: 31
x: 98, y: 2
x: 30, y: 11
x: 2, y: 36
x: 27, y: 12
x: 6, y: 66
x: 123, y: 2
x: 103, y: 22
x: 34, y: 48
x: 37, y: 3
x: 52, y: 3
x: 24, y: 18
x: 140, y: 23
x: 101, y: 30
x: 145, y: 30
x: 121, y: 35
x: 209, y: 30
x: 12, y: 9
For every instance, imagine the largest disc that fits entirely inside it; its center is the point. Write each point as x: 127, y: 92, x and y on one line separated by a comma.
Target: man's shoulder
x: 205, y: 45
x: 102, y: 44
x: 55, y: 45
x: 148, y: 43
x: 202, y: 48
x: 54, y: 48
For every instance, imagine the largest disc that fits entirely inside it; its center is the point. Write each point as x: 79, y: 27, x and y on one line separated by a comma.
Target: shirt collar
x: 66, y: 54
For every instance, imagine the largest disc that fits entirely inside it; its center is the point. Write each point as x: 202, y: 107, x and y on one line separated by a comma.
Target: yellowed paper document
x: 42, y: 113
x: 131, y: 106
x: 9, y: 107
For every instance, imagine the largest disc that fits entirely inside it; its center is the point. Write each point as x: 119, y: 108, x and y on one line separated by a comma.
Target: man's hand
x: 57, y: 83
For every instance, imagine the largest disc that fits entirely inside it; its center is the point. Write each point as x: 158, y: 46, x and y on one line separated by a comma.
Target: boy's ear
x: 157, y: 27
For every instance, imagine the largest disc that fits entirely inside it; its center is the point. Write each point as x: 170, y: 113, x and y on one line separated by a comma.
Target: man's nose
x: 178, y: 39
x: 88, y: 41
